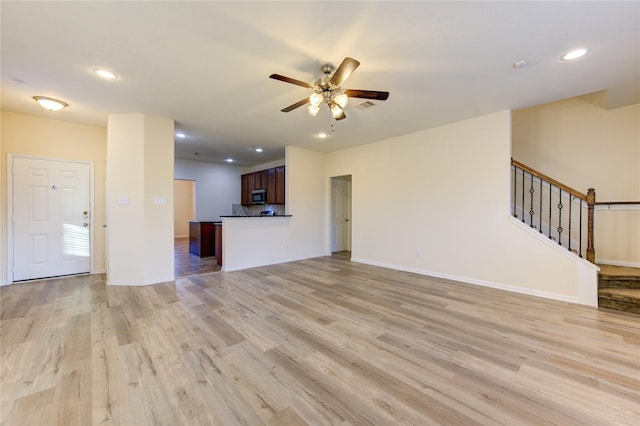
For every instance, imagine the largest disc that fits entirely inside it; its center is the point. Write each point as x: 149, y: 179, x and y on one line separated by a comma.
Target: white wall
x: 217, y: 186
x: 585, y: 146
x: 250, y: 242
x: 437, y: 202
x: 139, y: 200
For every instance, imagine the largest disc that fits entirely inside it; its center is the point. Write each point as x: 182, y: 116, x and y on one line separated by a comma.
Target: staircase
x: 619, y: 288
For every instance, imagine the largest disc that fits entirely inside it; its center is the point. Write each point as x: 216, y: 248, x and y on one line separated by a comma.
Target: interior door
x: 341, y: 213
x: 51, y: 218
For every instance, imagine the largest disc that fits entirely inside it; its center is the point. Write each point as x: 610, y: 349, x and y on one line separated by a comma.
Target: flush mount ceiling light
x: 259, y: 149
x: 50, y: 104
x: 575, y: 54
x: 229, y: 160
x: 104, y: 73
x: 327, y: 90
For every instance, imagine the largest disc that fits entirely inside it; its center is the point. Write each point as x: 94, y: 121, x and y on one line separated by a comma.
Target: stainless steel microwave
x: 259, y: 196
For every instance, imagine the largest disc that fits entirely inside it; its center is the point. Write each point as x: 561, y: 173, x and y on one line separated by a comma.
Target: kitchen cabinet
x: 270, y: 179
x: 279, y: 190
x: 201, y: 238
x: 246, y: 186
x: 218, y: 238
x: 271, y: 186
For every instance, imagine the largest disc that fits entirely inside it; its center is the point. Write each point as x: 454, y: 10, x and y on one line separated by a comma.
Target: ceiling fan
x: 327, y: 89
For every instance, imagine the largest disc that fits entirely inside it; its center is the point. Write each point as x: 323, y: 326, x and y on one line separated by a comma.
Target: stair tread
x: 615, y: 272
x: 627, y: 294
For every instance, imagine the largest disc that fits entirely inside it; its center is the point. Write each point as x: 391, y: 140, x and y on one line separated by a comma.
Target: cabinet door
x: 261, y: 179
x: 279, y: 185
x: 247, y: 187
x: 271, y: 186
x: 245, y: 190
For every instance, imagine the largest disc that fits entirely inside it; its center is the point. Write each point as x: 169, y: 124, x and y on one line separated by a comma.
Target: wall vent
x: 365, y: 105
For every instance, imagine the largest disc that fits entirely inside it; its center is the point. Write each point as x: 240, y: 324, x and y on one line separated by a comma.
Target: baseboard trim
x: 141, y: 283
x: 617, y: 263
x: 467, y: 280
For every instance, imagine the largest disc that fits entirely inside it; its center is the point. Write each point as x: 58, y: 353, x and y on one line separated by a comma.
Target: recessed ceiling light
x: 106, y: 74
x: 229, y: 160
x: 258, y: 149
x: 181, y: 135
x: 50, y: 103
x: 575, y: 54
x: 322, y: 135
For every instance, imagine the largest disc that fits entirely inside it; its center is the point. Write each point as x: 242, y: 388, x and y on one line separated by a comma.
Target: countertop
x: 250, y: 217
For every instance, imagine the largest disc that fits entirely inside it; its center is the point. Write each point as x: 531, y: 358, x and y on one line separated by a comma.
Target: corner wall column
x: 139, y: 199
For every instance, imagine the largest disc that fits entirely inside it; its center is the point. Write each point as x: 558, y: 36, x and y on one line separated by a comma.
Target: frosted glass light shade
x: 336, y: 111
x: 316, y: 99
x: 50, y: 103
x: 341, y: 99
x: 313, y: 110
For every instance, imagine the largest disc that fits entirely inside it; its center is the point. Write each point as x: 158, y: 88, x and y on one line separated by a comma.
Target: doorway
x: 50, y: 220
x: 341, y: 214
x: 184, y: 206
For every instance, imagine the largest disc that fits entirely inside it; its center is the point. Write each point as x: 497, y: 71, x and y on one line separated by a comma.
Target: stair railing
x: 554, y: 208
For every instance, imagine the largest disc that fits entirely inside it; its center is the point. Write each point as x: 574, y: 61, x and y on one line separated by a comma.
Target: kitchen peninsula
x: 250, y: 241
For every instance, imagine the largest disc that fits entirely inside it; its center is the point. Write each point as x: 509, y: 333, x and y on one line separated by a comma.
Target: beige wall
x: 140, y: 154
x: 184, y: 206
x: 24, y: 134
x: 585, y: 146
x: 438, y: 202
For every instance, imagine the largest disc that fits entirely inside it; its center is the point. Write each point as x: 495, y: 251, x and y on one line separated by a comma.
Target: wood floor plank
x: 318, y: 342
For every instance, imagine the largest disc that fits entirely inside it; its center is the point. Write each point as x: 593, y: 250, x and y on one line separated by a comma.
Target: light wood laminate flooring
x: 186, y: 264
x: 317, y: 342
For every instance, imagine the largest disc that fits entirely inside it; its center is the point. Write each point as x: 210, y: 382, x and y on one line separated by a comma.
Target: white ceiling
x: 207, y: 64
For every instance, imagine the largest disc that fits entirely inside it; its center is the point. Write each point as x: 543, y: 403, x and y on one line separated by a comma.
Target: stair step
x: 618, y: 277
x: 622, y: 299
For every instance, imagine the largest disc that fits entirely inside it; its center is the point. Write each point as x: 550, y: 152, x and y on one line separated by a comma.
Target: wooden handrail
x: 549, y: 179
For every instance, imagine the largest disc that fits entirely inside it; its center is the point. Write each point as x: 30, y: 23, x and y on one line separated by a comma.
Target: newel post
x: 591, y: 202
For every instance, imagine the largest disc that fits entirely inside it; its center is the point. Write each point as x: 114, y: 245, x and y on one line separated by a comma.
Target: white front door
x: 340, y: 214
x: 51, y: 213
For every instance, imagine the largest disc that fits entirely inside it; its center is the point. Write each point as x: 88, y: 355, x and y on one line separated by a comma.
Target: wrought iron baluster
x: 550, y: 201
x: 531, y: 212
x: 560, y: 206
x: 540, y: 211
x: 522, y: 195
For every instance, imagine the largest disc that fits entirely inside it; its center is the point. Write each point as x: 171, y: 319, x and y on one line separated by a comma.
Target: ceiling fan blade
x: 291, y: 80
x: 296, y: 105
x: 367, y: 94
x: 344, y: 71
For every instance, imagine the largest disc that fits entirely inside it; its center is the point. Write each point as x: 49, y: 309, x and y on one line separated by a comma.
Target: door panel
x: 340, y: 214
x: 51, y: 212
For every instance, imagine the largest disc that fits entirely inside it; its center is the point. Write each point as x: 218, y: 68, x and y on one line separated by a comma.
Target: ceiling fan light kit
x: 328, y: 90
